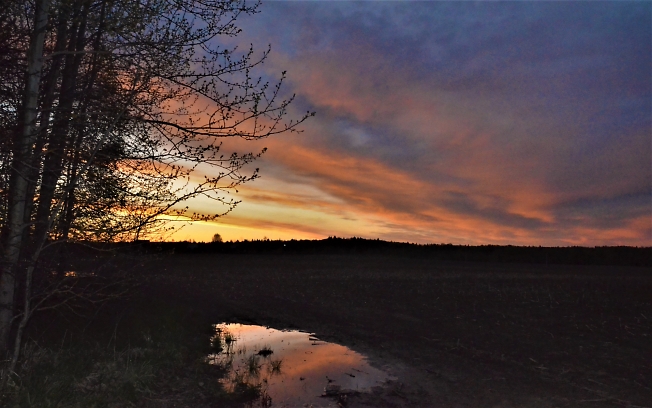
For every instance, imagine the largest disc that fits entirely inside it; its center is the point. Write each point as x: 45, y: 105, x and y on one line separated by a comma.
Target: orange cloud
x: 409, y: 157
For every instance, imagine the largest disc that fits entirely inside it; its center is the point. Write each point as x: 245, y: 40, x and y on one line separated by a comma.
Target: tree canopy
x: 113, y: 114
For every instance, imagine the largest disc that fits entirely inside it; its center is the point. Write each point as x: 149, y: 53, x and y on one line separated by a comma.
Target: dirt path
x: 455, y: 334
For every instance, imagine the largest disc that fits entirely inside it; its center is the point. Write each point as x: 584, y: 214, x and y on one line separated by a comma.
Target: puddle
x: 293, y: 368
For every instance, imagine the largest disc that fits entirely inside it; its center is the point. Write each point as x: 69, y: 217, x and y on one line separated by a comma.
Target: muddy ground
x: 455, y: 334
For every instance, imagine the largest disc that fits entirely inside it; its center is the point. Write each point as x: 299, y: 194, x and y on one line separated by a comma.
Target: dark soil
x: 455, y: 334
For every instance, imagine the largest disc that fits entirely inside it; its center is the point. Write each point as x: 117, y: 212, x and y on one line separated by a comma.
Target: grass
x: 275, y: 366
x: 253, y: 366
x: 131, y: 352
x: 88, y: 376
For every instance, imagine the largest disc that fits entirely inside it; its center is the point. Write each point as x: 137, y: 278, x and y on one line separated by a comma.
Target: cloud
x: 518, y: 122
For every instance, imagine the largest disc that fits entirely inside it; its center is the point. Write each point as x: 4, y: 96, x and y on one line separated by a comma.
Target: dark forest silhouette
x: 575, y: 255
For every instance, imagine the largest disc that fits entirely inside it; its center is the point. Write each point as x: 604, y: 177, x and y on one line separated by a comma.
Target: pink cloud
x: 421, y: 160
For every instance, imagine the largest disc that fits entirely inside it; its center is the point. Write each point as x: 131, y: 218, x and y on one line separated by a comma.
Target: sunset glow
x: 525, y: 123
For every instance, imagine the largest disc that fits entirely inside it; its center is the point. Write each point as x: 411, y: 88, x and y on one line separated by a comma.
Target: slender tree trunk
x: 68, y: 213
x: 53, y: 163
x: 69, y: 205
x: 47, y: 103
x: 20, y: 168
x: 27, y: 311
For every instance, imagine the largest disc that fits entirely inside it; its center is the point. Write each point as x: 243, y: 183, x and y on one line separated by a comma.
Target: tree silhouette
x: 110, y: 110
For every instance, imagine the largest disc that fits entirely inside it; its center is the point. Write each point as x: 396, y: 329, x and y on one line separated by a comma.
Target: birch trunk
x: 54, y: 158
x: 21, y: 168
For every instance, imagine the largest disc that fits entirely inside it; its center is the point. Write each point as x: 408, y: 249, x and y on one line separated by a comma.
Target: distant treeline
x: 607, y: 255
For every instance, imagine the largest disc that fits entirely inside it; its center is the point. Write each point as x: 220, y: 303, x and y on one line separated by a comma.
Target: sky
x: 522, y: 123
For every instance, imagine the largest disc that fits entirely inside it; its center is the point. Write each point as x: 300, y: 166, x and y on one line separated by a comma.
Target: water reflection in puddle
x: 293, y: 368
